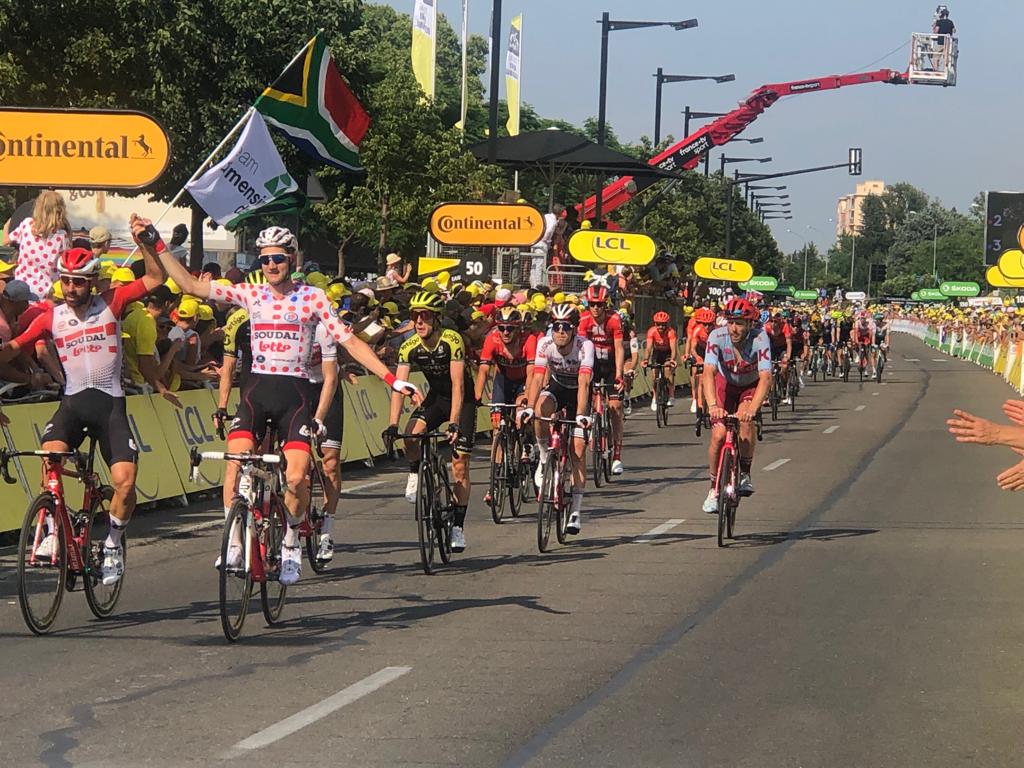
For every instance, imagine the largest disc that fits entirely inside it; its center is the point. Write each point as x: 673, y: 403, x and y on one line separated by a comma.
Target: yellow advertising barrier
x: 602, y: 247
x: 187, y: 427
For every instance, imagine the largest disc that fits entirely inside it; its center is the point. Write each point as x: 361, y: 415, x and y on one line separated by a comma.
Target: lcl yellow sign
x: 595, y: 246
x: 723, y: 269
x: 514, y: 225
x: 80, y: 149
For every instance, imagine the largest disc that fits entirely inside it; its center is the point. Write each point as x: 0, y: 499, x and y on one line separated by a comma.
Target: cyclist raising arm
x: 283, y: 317
x: 737, y: 377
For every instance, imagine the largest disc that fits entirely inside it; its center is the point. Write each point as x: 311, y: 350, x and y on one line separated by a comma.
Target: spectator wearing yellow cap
x: 396, y: 270
x: 121, y: 276
x: 6, y: 273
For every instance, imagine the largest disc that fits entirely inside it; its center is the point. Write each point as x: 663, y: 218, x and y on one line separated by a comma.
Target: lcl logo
x: 611, y: 243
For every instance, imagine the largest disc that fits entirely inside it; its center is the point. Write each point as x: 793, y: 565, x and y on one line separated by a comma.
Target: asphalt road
x: 867, y: 615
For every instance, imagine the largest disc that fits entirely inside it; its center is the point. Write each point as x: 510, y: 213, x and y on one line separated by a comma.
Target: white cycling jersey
x: 565, y: 368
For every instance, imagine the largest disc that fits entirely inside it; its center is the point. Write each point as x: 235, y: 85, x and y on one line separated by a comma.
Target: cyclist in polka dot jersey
x: 283, y: 318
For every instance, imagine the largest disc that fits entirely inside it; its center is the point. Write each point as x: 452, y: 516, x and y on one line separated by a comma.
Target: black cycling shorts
x: 565, y: 400
x: 778, y: 352
x: 334, y: 420
x: 436, y: 409
x: 100, y: 415
x: 660, y: 356
x: 506, y: 390
x: 281, y: 401
x: 604, y: 373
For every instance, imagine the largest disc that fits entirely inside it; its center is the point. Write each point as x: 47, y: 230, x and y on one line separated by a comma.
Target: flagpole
x: 209, y: 158
x: 463, y: 111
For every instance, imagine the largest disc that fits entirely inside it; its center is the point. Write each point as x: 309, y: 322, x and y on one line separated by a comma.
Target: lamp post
x: 662, y: 78
x: 689, y: 114
x: 609, y: 25
x: 492, y: 116
x: 730, y: 194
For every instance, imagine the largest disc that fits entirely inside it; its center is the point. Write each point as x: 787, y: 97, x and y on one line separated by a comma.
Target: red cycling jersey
x: 604, y: 335
x: 778, y: 332
x: 661, y: 341
x: 90, y: 347
x: 511, y: 362
x: 530, y: 349
x: 699, y: 336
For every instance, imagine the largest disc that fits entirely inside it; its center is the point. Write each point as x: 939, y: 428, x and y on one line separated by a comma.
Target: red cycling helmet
x: 741, y: 308
x: 704, y: 316
x: 80, y: 262
x: 661, y: 317
x: 597, y: 295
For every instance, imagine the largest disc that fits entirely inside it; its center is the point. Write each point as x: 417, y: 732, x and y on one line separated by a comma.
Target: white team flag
x: 250, y: 177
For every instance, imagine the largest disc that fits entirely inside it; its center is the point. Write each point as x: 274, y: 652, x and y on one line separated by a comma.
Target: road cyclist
x: 662, y: 347
x: 603, y: 328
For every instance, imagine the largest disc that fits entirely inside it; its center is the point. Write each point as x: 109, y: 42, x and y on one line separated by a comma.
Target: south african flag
x: 312, y: 105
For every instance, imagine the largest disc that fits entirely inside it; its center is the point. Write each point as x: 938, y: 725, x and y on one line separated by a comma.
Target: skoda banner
x: 960, y: 290
x: 593, y: 246
x: 762, y: 283
x: 731, y: 270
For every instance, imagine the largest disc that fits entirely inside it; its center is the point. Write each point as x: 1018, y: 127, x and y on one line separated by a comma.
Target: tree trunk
x: 383, y: 244
x: 341, y: 255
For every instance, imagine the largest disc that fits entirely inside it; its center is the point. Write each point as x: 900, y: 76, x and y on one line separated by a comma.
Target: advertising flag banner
x: 513, y: 71
x: 424, y: 42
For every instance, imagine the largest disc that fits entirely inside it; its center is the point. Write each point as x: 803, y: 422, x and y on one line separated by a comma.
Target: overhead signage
x: 761, y: 283
x: 931, y: 294
x: 81, y: 149
x: 856, y: 296
x: 806, y: 295
x: 960, y: 290
x: 1004, y: 224
x: 595, y: 246
x: 997, y: 279
x: 732, y: 270
x: 487, y: 224
x: 1011, y: 264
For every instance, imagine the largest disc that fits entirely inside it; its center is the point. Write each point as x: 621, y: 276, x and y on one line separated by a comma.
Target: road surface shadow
x: 811, y: 534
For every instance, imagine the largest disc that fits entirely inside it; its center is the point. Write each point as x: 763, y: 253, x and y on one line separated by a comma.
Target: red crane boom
x: 686, y: 154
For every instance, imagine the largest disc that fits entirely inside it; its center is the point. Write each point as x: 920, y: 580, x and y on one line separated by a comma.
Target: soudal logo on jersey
x: 275, y: 337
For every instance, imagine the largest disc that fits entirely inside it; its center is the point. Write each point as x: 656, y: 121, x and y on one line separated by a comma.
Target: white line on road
x: 657, y: 531
x: 860, y: 408
x: 831, y: 429
x: 938, y: 359
x: 875, y: 394
x: 911, y: 360
x: 318, y: 711
x: 362, y: 487
x: 775, y: 465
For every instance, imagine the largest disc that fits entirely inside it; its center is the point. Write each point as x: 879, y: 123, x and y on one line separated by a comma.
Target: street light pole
x: 601, y: 108
x: 853, y: 254
x: 935, y: 255
x: 662, y: 79
x: 660, y: 75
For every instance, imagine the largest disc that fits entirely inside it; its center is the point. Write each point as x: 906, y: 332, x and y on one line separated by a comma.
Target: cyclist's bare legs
x: 715, y: 447
x: 296, y: 492
x: 615, y: 406
x: 460, y: 473
x: 412, y: 447
x: 122, y: 478
x: 748, y: 435
x: 332, y: 476
x: 579, y: 464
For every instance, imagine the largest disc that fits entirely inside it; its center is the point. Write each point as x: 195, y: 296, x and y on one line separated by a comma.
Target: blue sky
x: 951, y: 142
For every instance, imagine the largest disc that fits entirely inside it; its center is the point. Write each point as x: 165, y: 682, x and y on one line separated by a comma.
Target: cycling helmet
x: 565, y: 313
x: 510, y: 316
x: 741, y: 308
x: 428, y: 300
x: 597, y: 295
x: 661, y: 317
x: 704, y: 316
x: 279, y: 237
x: 80, y: 262
x: 256, y: 278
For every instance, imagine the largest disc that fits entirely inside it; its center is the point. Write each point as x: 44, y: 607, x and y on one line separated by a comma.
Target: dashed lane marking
x: 318, y: 711
x: 875, y: 394
x: 775, y: 465
x: 657, y: 531
x: 938, y: 359
x: 831, y: 429
x: 860, y: 408
x: 362, y: 487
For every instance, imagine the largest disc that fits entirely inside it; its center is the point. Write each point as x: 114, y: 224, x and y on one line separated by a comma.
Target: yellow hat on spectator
x: 122, y: 275
x: 558, y: 298
x: 539, y: 303
x: 444, y: 279
x: 57, y: 291
x: 337, y: 291
x: 223, y: 281
x: 5, y: 267
x: 173, y: 286
x: 585, y: 224
x: 107, y: 270
x: 390, y: 307
x: 317, y: 279
x: 430, y: 284
x: 188, y: 308
x: 205, y: 312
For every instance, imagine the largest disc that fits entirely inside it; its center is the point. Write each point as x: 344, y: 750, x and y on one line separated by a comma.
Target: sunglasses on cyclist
x: 563, y: 327
x: 78, y: 282
x: 421, y: 314
x: 277, y: 258
x: 508, y: 328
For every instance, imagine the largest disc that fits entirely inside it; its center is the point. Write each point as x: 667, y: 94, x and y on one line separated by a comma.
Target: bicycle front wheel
x: 425, y: 518
x: 722, y: 483
x: 515, y: 471
x: 41, y: 580
x: 545, y: 507
x: 235, y: 583
x: 272, y: 592
x: 499, y: 474
x: 101, y: 599
x: 444, y: 510
x: 598, y: 448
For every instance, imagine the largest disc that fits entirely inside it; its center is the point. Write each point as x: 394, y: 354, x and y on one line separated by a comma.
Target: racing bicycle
x: 555, y: 496
x: 511, y: 465
x: 601, y: 435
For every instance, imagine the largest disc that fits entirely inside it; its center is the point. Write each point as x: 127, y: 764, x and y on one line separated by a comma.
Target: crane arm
x: 686, y: 154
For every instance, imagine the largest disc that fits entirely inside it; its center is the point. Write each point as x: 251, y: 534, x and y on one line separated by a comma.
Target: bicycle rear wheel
x: 425, y: 518
x: 316, y: 492
x: 597, y: 448
x: 235, y: 583
x: 101, y: 599
x: 41, y: 584
x: 880, y: 365
x: 774, y: 398
x: 272, y: 592
x: 499, y: 469
x: 722, y: 483
x: 545, y: 507
x: 606, y: 465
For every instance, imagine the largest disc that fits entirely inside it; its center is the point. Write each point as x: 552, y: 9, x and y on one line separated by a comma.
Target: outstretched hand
x: 1012, y: 479
x: 969, y: 428
x: 1014, y: 410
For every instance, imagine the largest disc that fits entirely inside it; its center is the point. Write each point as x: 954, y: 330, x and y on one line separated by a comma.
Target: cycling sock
x: 414, y: 467
x: 577, y: 500
x: 325, y: 525
x: 542, y: 449
x: 114, y: 532
x: 291, y: 536
x: 745, y: 464
x: 227, y: 511
x: 460, y: 515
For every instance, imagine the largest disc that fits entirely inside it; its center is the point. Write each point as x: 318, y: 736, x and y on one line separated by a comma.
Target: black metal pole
x: 723, y: 165
x: 492, y: 122
x: 728, y: 212
x: 686, y: 122
x: 707, y: 164
x: 657, y: 107
x: 601, y: 106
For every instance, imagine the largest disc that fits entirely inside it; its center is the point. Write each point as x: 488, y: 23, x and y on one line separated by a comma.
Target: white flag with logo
x: 250, y: 177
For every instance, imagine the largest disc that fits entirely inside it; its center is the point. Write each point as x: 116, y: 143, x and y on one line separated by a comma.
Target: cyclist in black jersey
x: 440, y: 354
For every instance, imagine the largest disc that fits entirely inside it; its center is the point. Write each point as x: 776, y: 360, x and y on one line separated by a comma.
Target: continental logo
x: 80, y: 148
x: 729, y: 270
x: 481, y: 224
x: 594, y: 246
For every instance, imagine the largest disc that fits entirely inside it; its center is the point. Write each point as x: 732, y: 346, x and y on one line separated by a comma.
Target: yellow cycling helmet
x: 427, y: 300
x: 430, y: 285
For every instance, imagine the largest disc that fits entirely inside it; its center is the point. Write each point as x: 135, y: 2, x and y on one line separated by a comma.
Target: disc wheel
x: 41, y: 584
x: 235, y: 583
x: 499, y: 476
x: 101, y: 599
x: 272, y: 592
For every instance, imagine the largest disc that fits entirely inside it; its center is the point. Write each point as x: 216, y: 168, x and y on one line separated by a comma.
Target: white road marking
x: 318, y: 711
x: 831, y: 429
x: 860, y: 408
x: 775, y: 465
x: 362, y: 487
x: 911, y: 360
x: 938, y: 359
x: 875, y: 394
x: 657, y: 531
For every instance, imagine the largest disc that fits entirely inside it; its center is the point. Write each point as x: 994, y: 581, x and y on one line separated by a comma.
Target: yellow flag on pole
x: 513, y: 71
x: 424, y: 40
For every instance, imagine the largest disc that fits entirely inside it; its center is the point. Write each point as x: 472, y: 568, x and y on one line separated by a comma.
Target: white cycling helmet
x: 280, y: 237
x: 566, y: 312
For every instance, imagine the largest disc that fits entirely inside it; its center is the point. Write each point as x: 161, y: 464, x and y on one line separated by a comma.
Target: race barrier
x: 165, y: 433
x: 1002, y: 356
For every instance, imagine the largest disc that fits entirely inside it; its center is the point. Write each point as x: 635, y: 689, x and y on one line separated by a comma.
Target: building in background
x: 849, y: 214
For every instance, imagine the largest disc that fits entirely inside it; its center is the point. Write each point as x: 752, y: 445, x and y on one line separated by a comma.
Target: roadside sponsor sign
x: 806, y: 295
x: 487, y: 224
x: 856, y: 296
x: 762, y: 283
x: 931, y: 294
x: 711, y: 268
x: 81, y: 149
x: 595, y: 246
x: 960, y: 290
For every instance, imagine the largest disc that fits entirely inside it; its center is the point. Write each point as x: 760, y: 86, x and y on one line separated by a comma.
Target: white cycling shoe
x: 458, y: 539
x: 113, y: 565
x: 572, y: 525
x: 291, y: 565
x: 412, y: 485
x: 46, y: 547
x: 711, y: 503
x: 654, y: 405
x: 746, y: 484
x: 234, y: 557
x: 325, y: 552
x: 538, y: 476
x: 617, y: 467
x: 671, y: 402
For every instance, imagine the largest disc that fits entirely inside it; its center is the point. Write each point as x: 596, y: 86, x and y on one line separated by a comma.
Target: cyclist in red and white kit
x: 86, y: 330
x: 283, y: 317
x: 604, y: 329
